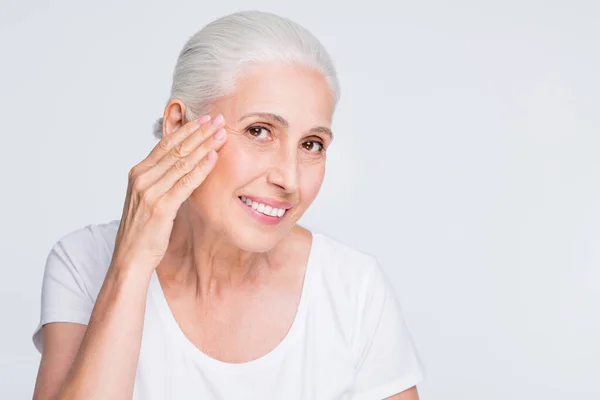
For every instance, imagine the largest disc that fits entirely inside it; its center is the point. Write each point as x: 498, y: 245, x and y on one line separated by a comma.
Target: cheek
x: 310, y: 182
x: 235, y: 167
x: 222, y: 180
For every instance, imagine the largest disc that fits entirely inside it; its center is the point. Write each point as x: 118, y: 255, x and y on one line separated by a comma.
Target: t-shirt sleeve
x: 65, y: 296
x: 386, y: 359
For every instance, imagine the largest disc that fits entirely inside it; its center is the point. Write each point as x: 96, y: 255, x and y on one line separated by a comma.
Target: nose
x: 285, y: 172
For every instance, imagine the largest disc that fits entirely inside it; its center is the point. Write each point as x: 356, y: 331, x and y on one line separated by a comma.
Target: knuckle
x: 137, y: 184
x: 182, y: 165
x: 164, y: 144
x: 147, y: 199
x: 133, y: 173
x: 179, y: 151
x: 185, y: 181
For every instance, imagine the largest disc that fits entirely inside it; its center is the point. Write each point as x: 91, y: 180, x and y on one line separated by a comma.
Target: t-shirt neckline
x: 272, y: 356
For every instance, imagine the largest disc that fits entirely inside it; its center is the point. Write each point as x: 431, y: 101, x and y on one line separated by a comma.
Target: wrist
x: 127, y: 274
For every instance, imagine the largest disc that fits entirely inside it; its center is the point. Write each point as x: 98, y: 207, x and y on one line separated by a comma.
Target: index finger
x: 170, y: 141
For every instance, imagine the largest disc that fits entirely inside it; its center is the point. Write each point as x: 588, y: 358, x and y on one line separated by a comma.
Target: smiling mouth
x: 263, y: 208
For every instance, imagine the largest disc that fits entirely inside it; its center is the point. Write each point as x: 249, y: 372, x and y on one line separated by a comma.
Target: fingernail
x: 211, y: 156
x: 203, y: 119
x: 218, y: 119
x: 220, y: 135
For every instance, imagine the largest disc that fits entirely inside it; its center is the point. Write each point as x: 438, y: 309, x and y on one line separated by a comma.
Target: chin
x: 255, y: 240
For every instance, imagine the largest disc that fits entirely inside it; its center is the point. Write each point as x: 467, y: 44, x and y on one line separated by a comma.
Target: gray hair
x: 215, y: 56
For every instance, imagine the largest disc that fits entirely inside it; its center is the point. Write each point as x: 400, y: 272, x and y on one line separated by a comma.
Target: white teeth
x: 263, y: 208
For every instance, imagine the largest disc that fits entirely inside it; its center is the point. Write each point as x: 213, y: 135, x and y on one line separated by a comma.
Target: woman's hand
x: 159, y: 185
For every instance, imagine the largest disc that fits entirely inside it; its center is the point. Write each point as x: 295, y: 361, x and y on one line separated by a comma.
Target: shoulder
x: 350, y: 266
x: 352, y: 289
x: 93, y: 242
x: 350, y: 278
x: 85, y: 254
x: 91, y: 234
x: 74, y: 273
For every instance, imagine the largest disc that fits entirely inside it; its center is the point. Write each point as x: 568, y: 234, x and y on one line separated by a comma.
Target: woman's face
x: 278, y: 121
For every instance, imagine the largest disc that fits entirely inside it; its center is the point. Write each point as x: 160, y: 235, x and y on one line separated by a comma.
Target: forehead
x: 297, y: 93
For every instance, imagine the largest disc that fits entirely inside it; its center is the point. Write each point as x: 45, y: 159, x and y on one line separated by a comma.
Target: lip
x: 270, y: 202
x: 260, y: 217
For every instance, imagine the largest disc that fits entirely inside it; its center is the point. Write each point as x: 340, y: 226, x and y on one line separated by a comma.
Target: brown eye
x: 313, y: 146
x: 259, y: 132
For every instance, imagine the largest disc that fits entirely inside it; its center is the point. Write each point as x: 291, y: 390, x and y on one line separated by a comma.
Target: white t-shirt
x: 348, y: 339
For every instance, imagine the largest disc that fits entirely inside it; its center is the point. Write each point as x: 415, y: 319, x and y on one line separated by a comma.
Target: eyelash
x: 259, y: 127
x: 313, y: 141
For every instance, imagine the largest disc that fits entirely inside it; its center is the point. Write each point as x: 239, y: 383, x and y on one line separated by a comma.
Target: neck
x: 205, y: 260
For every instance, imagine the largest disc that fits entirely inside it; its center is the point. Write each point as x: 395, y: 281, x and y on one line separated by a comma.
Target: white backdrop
x: 466, y: 159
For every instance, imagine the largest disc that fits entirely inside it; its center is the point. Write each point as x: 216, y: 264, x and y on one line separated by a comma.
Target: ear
x: 174, y: 116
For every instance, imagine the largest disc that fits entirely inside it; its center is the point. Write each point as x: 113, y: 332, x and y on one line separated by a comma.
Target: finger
x: 187, y: 146
x: 168, y: 142
x: 184, y: 187
x: 178, y: 156
x: 184, y: 166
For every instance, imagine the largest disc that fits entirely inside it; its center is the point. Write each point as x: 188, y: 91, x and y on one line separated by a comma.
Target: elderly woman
x: 207, y: 288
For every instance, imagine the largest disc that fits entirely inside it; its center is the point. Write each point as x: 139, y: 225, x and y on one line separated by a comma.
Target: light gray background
x: 466, y: 159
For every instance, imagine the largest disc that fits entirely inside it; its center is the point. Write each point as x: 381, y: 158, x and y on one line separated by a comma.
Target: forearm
x: 106, y: 363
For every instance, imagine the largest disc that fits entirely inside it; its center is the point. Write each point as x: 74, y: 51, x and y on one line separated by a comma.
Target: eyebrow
x: 283, y: 122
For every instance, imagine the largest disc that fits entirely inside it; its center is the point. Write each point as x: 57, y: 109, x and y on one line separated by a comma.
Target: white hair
x: 212, y: 59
